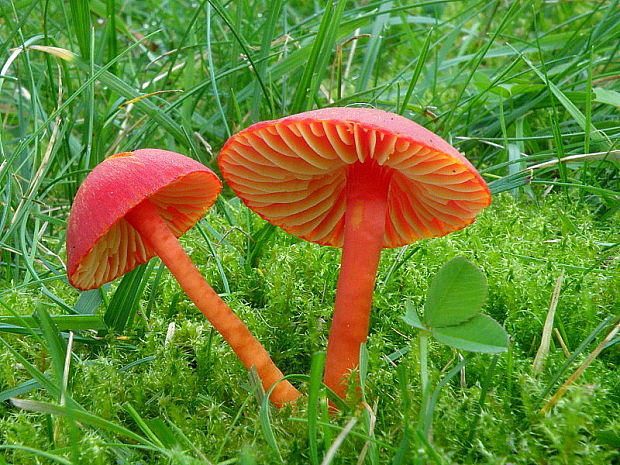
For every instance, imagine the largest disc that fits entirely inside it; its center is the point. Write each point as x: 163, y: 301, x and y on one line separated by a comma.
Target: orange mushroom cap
x: 293, y: 173
x: 101, y: 244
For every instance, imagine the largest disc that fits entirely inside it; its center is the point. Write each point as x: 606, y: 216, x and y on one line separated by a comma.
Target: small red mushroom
x: 357, y: 178
x: 133, y: 206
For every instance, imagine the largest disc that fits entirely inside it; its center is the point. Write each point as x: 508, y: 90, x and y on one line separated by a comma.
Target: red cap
x: 293, y: 173
x: 101, y: 245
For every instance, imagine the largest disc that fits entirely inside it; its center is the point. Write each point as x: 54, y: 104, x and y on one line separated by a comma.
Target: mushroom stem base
x: 154, y: 231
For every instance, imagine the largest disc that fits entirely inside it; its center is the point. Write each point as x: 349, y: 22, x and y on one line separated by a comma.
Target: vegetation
x: 132, y: 373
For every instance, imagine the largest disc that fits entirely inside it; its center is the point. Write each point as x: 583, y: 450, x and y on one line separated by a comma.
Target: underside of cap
x: 293, y: 172
x: 101, y: 244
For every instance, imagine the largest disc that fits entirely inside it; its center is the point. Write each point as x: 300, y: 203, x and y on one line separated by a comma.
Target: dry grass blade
x: 545, y: 340
x: 558, y: 336
x: 609, y: 155
x: 585, y: 364
x: 331, y: 452
x: 372, y: 413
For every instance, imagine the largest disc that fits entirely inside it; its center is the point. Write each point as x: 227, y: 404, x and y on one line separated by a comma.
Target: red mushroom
x: 357, y: 178
x: 132, y: 207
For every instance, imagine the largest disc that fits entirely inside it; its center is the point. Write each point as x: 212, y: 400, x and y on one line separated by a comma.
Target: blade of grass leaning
x: 480, y: 55
x: 19, y: 390
x: 419, y: 66
x: 33, y: 371
x: 39, y: 453
x: 216, y: 259
x: 39, y: 175
x: 316, y: 66
x: 369, y: 417
x: 122, y: 307
x: 363, y: 370
x: 150, y: 435
x: 595, y: 135
x: 373, y: 46
x: 485, y: 387
x: 559, y: 148
x: 404, y: 255
x: 178, y: 433
x: 88, y: 302
x: 597, y: 190
x: 582, y: 367
x: 264, y: 419
x: 233, y: 423
x: 578, y: 351
x: 61, y: 322
x: 56, y: 345
x: 314, y: 390
x: 330, y: 454
x: 112, y: 44
x: 16, y: 28
x: 83, y: 417
x: 216, y: 93
x: 244, y: 45
x: 427, y: 417
x: 545, y: 340
x: 80, y: 14
x: 402, y: 372
x: 109, y: 80
x: 274, y: 14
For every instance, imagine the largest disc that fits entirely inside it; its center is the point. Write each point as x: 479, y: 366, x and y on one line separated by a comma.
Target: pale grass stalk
x: 47, y: 157
x: 333, y: 449
x: 609, y: 155
x: 372, y: 412
x: 584, y: 365
x: 65, y: 383
x: 558, y: 336
x: 545, y: 339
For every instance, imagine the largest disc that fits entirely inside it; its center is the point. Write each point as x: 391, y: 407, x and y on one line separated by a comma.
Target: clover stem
x: 423, y: 348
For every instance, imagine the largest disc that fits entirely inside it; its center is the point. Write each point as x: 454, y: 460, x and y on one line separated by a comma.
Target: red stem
x: 146, y: 220
x: 367, y: 190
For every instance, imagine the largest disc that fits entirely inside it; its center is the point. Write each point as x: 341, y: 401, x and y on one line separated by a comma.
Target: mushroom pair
x: 357, y: 178
x: 133, y: 206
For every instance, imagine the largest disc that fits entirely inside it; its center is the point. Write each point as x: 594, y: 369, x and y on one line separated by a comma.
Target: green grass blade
x: 83, y: 417
x: 596, y: 135
x: 369, y: 65
x: 60, y: 322
x: 39, y: 453
x: 56, y: 345
x: 314, y: 390
x: 317, y: 62
x: 122, y: 307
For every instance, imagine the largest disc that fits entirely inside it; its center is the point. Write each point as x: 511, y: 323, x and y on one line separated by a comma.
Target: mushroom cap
x: 293, y: 173
x: 101, y: 244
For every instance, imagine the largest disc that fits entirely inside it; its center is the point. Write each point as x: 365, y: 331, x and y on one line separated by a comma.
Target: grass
x: 131, y: 373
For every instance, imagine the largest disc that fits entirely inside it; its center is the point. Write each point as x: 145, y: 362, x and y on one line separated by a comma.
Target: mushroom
x: 133, y: 206
x: 357, y: 178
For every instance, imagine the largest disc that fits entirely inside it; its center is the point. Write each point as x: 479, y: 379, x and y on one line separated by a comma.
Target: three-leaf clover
x: 452, y: 310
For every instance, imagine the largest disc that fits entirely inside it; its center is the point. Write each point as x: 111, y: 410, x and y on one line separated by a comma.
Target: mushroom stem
x: 364, y: 227
x: 153, y: 230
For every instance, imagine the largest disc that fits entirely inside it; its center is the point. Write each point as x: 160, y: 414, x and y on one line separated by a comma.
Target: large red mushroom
x: 357, y: 178
x: 133, y: 206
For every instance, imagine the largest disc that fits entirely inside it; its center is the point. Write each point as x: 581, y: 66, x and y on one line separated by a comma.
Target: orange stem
x: 146, y: 220
x: 366, y: 208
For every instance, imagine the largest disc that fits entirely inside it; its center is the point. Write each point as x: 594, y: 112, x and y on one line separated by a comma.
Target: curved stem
x: 366, y: 197
x: 146, y: 220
